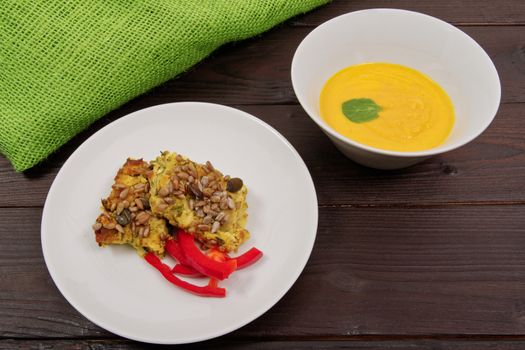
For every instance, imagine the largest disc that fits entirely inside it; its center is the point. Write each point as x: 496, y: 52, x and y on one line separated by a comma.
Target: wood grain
x: 464, y: 12
x: 398, y: 271
x: 257, y: 71
x: 426, y: 344
x: 489, y: 170
x: 431, y: 257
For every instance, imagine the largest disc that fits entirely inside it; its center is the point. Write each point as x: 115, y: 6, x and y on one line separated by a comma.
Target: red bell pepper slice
x: 202, y: 263
x: 217, y: 255
x: 173, y: 249
x: 211, y: 290
x: 186, y: 271
x: 248, y: 258
x: 243, y: 260
x: 213, y: 283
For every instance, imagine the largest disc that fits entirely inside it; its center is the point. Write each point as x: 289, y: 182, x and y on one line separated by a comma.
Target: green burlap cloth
x: 64, y: 64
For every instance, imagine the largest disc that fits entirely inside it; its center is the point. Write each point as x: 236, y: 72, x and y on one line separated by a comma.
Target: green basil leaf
x: 361, y: 110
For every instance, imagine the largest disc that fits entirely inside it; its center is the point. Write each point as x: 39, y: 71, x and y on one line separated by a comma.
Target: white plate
x: 119, y: 291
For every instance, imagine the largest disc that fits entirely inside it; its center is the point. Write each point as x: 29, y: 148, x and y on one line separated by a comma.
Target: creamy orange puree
x: 415, y: 112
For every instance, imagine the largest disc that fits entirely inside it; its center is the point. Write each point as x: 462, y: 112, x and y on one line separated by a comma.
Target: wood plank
x: 266, y: 345
x: 464, y: 12
x: 257, y: 71
x: 489, y: 170
x: 394, y: 271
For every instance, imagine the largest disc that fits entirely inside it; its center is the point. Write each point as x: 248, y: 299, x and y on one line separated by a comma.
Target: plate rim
x: 247, y: 319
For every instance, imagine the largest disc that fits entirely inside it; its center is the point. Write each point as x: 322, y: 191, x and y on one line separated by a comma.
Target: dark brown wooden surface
x: 430, y: 257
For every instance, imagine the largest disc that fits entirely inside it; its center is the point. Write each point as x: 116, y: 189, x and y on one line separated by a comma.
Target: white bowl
x: 443, y: 52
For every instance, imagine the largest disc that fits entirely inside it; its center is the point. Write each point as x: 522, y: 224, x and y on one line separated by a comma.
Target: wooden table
x: 430, y: 257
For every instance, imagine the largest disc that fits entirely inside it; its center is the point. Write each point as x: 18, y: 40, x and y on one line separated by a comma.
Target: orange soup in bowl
x: 387, y: 106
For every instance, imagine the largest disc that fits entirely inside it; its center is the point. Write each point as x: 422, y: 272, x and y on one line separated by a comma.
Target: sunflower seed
x: 220, y: 216
x: 139, y: 188
x: 205, y: 180
x: 120, y: 186
x: 162, y: 206
x: 175, y: 184
x: 146, y: 231
x: 133, y: 209
x: 183, y: 175
x: 109, y: 225
x: 124, y: 193
x: 209, y: 166
x: 120, y: 208
x: 96, y: 226
x: 203, y: 227
x: 207, y: 220
x: 113, y: 206
x: 163, y: 192
x: 208, y: 192
x: 126, y: 204
x: 141, y: 232
x: 139, y: 203
x: 119, y: 228
x: 193, y: 172
x: 215, y: 226
x: 142, y: 217
x: 231, y: 203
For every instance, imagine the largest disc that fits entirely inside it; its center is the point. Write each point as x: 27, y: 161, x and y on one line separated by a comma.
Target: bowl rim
x: 425, y: 153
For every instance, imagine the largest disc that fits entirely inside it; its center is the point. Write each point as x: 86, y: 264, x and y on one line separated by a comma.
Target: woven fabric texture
x: 64, y: 64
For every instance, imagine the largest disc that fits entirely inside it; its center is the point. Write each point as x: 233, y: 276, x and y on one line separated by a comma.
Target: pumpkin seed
x: 234, y: 185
